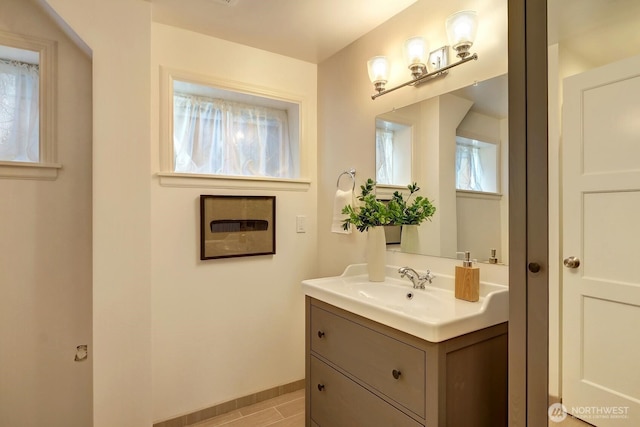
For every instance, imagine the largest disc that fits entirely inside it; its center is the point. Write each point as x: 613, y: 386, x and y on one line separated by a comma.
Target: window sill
x: 478, y: 195
x: 385, y: 191
x: 25, y: 170
x: 188, y: 180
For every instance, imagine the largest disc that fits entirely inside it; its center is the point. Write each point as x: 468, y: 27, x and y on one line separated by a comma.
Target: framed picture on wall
x: 235, y: 226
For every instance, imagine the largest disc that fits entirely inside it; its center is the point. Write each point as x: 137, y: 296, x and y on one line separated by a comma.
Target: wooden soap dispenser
x: 467, y: 280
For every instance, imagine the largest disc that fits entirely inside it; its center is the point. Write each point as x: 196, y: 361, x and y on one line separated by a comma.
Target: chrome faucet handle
x: 418, y: 280
x: 429, y: 276
x: 422, y: 278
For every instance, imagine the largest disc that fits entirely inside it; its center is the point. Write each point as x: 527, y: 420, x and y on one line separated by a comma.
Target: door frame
x: 528, y: 214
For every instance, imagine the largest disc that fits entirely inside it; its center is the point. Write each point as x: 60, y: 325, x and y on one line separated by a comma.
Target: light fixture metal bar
x: 424, y: 77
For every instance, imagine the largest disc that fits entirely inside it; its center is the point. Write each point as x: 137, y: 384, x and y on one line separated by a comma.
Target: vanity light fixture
x: 461, y: 30
x: 415, y: 54
x: 378, y: 67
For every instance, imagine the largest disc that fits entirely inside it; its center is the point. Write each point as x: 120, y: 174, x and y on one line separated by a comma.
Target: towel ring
x: 352, y: 174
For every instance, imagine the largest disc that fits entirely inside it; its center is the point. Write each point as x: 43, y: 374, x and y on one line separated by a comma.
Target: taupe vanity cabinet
x: 362, y: 373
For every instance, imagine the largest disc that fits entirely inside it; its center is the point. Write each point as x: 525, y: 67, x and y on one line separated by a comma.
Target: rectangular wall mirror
x: 456, y: 147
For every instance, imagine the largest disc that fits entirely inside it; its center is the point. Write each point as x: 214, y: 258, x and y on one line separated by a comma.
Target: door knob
x: 534, y: 267
x: 572, y: 262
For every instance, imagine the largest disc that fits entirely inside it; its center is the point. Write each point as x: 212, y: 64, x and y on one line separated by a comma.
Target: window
x: 27, y: 128
x: 19, y: 109
x: 476, y: 165
x: 223, y: 135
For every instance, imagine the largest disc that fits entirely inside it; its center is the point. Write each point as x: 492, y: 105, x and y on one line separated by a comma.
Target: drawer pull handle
x: 396, y: 374
x: 320, y: 334
x: 320, y: 387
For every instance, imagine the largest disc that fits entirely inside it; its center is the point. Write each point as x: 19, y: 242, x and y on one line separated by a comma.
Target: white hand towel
x: 342, y: 199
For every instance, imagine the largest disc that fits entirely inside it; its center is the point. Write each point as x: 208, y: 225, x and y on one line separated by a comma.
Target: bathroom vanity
x: 363, y: 372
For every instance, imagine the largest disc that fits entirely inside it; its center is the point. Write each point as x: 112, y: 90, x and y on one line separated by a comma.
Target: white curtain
x: 384, y: 156
x: 468, y: 168
x: 220, y: 137
x: 19, y: 118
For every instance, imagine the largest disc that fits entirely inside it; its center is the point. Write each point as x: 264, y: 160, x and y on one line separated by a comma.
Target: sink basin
x: 433, y: 314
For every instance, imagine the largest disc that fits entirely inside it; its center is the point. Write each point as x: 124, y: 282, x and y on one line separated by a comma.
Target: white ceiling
x: 490, y: 97
x: 601, y: 31
x: 310, y: 30
x: 313, y: 30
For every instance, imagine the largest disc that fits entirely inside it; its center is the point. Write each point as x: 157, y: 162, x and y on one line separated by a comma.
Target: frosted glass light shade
x: 378, y: 67
x: 416, y: 50
x: 461, y: 30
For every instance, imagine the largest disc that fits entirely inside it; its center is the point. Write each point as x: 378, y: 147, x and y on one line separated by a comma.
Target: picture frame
x: 237, y: 226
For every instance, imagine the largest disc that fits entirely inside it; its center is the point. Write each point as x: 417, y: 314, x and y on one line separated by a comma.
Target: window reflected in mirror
x: 393, y: 153
x: 476, y: 165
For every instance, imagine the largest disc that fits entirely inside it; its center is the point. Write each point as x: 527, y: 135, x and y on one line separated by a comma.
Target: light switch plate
x: 301, y: 224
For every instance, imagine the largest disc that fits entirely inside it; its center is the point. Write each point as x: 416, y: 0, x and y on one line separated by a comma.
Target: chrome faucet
x: 418, y: 280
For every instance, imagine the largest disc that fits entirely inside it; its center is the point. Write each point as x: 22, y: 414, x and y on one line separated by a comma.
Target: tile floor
x: 282, y: 411
x: 569, y: 422
x: 288, y: 411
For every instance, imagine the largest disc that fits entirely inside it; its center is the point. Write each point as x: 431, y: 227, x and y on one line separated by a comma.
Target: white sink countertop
x: 433, y: 314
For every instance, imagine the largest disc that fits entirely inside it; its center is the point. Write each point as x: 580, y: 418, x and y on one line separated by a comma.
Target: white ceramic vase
x: 376, y: 254
x: 409, y: 239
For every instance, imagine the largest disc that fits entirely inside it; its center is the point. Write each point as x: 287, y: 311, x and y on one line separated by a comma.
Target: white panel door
x: 601, y: 227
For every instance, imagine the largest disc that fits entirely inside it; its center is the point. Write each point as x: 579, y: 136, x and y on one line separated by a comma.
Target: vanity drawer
x: 337, y: 401
x: 372, y: 357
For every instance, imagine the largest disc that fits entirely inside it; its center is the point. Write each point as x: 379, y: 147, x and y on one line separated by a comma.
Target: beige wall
x: 118, y: 33
x: 227, y: 328
x: 256, y: 311
x: 45, y: 267
x: 346, y: 112
x: 245, y: 313
x: 222, y: 329
x: 480, y: 217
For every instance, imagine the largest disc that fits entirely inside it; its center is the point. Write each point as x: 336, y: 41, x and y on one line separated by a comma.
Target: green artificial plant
x: 404, y: 213
x: 372, y: 212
